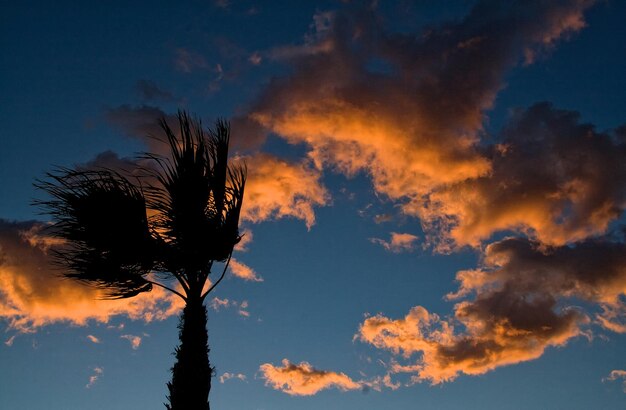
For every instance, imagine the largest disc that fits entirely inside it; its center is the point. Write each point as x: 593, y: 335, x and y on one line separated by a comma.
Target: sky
x: 434, y: 214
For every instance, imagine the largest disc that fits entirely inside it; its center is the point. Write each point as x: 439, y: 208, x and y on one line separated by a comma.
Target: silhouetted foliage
x: 171, y: 222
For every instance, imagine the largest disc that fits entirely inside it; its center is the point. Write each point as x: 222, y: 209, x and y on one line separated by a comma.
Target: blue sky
x: 398, y: 153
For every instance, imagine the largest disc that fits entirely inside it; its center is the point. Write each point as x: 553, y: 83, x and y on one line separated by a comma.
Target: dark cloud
x: 150, y: 91
x: 521, y: 301
x: 142, y: 122
x: 552, y: 177
x: 187, y: 61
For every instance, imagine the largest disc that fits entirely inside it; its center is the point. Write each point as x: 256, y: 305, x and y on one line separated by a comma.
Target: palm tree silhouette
x: 165, y: 227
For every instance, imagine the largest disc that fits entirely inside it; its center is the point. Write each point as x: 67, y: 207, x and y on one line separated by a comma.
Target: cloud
x: 32, y: 293
x: 617, y: 375
x: 399, y: 242
x: 243, y: 271
x: 97, y: 372
x: 217, y: 304
x: 407, y: 108
x: 552, y: 177
x: 279, y: 189
x: 492, y: 339
x: 142, y: 122
x: 246, y: 239
x: 236, y: 376
x: 150, y: 91
x: 517, y: 304
x: 135, y: 341
x: 187, y: 61
x: 222, y: 4
x: 93, y: 339
x: 255, y: 58
x: 593, y: 270
x: 275, y: 188
x: 243, y: 306
x: 303, y: 379
x: 381, y: 381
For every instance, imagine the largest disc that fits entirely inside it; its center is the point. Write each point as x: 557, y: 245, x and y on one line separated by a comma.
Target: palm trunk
x: 191, y: 374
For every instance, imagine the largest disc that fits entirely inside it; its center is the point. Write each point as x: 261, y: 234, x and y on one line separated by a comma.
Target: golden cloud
x: 490, y: 342
x: 303, y: 379
x: 278, y: 189
x: 414, y: 125
x: 553, y: 178
x: 243, y: 271
x: 32, y: 293
x: 511, y: 309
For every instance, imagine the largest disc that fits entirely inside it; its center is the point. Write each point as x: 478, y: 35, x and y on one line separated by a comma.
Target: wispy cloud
x: 243, y: 271
x: 97, y: 373
x: 234, y: 376
x: 135, y: 341
x: 218, y: 304
x: 255, y: 58
x: 399, y: 242
x: 616, y: 375
x: 187, y: 60
x: 150, y: 91
x: 93, y: 339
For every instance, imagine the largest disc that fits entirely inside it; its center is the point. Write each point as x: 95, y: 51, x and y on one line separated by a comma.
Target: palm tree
x: 165, y: 227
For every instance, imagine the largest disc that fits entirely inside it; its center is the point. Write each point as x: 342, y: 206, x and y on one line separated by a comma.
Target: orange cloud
x: 278, y: 189
x: 32, y: 294
x: 540, y: 184
x: 303, y: 379
x: 399, y: 242
x: 488, y: 343
x: 93, y: 339
x: 511, y: 309
x: 243, y: 271
x: 414, y: 125
x: 246, y: 239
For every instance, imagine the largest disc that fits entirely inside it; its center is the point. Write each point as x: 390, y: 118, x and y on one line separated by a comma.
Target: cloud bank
x: 409, y: 110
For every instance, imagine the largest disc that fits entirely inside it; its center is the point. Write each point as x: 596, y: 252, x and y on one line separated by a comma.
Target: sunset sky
x: 434, y: 215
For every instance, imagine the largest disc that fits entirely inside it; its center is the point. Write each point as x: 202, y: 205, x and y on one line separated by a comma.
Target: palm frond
x: 101, y: 217
x: 198, y: 197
